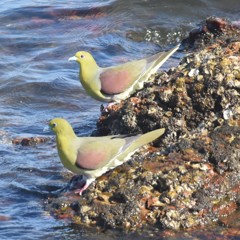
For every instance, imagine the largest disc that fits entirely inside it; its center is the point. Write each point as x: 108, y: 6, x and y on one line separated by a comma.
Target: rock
x: 30, y: 141
x: 191, y: 176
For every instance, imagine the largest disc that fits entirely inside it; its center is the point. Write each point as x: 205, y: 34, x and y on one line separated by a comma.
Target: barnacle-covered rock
x: 191, y: 176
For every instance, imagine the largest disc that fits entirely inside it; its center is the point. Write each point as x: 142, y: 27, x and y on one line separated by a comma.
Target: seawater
x: 37, y: 83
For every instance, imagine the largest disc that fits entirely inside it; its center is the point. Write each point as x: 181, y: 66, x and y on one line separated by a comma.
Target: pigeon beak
x: 72, y: 58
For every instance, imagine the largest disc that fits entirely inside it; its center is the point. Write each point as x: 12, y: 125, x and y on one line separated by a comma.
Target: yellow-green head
x: 89, y: 74
x: 85, y: 59
x: 61, y: 126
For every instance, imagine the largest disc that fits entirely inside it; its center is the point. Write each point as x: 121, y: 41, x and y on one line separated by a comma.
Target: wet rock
x: 212, y: 30
x: 30, y: 141
x: 191, y: 176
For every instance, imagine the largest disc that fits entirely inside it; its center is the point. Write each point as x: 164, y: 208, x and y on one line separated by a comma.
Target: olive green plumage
x: 93, y: 156
x: 115, y: 83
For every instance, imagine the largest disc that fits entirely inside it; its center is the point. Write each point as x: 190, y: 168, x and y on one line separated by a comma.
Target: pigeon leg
x: 86, y: 185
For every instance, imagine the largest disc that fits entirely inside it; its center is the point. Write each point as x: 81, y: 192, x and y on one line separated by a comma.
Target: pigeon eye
x: 54, y: 125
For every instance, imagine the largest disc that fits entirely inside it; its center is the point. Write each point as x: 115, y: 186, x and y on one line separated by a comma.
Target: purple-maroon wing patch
x: 114, y: 82
x: 90, y: 159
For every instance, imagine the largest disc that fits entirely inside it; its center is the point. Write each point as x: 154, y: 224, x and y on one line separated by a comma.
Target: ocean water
x: 37, y: 83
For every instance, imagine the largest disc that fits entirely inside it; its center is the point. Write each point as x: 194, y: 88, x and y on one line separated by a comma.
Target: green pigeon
x: 116, y: 83
x: 93, y: 156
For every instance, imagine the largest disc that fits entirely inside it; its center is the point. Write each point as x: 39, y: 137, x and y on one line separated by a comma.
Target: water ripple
x: 37, y: 83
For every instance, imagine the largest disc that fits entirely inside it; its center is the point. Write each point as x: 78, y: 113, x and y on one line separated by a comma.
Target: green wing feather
x: 141, y: 141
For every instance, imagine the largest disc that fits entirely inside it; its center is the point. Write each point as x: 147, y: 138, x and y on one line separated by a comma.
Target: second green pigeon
x: 93, y: 156
x: 116, y: 83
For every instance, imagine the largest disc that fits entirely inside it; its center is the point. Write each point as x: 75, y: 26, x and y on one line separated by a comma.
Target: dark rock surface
x: 191, y: 176
x: 30, y: 141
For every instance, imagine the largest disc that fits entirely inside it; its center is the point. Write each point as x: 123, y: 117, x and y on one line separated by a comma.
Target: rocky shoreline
x: 190, y: 177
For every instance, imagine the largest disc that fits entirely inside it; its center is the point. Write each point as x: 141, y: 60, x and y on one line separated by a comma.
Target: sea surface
x: 37, y: 83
